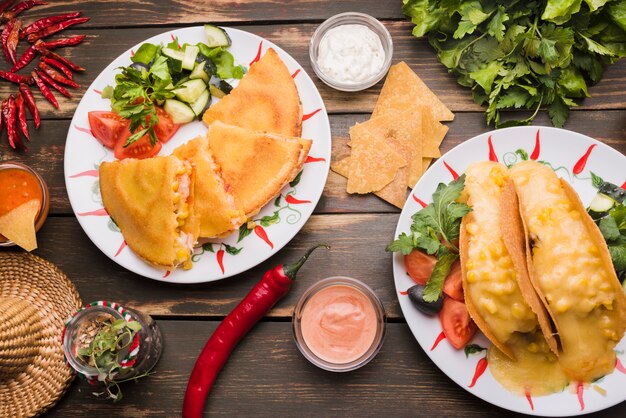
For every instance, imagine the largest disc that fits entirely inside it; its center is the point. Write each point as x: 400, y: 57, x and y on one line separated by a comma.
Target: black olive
x: 139, y: 66
x: 416, y: 295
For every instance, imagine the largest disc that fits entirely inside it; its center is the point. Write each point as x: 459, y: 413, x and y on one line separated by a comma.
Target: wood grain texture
x: 266, y: 376
x: 47, y: 149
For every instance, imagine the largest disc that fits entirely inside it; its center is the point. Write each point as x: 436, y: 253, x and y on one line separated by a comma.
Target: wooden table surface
x: 266, y: 375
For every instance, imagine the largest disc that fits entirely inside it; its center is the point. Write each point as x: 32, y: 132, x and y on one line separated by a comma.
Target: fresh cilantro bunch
x: 523, y: 54
x: 135, y: 96
x: 435, y: 230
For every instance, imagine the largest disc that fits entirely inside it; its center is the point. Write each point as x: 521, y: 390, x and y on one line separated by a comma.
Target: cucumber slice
x: 200, y: 72
x: 179, y: 112
x: 190, y: 90
x: 601, y: 203
x: 216, y: 36
x: 215, y: 91
x: 613, y: 191
x: 202, y: 104
x: 189, y: 59
x: 172, y: 53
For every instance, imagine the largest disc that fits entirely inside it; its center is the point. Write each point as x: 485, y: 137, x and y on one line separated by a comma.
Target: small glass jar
x: 138, y: 359
x: 372, y: 304
x: 42, y: 214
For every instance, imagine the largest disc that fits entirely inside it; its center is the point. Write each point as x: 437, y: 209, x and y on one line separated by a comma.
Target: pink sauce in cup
x: 339, y: 324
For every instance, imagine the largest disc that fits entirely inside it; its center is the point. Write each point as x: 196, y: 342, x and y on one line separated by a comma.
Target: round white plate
x: 280, y: 219
x: 565, y: 151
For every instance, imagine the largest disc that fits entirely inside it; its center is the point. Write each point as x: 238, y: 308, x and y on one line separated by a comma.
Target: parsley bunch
x: 435, y: 230
x: 523, y: 54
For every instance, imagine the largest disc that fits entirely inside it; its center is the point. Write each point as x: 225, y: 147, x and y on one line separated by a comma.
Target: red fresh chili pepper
x: 13, y: 39
x: 294, y: 201
x: 537, y: 149
x: 47, y: 53
x: 29, y: 99
x: 220, y: 259
x: 60, y: 43
x: 56, y: 76
x: 25, y: 59
x: 481, y: 366
x: 45, y: 90
x: 57, y: 27
x: 260, y: 231
x: 580, y: 165
x: 273, y: 286
x: 5, y: 5
x: 53, y: 83
x: 46, y: 22
x: 21, y: 115
x: 4, y: 38
x: 15, y: 78
x: 54, y: 63
x: 20, y: 7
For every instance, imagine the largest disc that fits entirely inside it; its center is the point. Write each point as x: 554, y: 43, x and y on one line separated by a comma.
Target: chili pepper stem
x: 291, y: 270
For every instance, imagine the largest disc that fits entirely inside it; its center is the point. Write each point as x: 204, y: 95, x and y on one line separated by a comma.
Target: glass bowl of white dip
x: 351, y: 51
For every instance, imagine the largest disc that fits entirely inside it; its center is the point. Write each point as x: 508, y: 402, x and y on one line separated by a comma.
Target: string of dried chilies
x: 52, y: 70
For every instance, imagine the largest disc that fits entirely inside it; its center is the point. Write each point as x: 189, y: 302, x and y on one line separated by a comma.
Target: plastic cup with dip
x: 19, y: 184
x: 351, y: 51
x: 339, y: 324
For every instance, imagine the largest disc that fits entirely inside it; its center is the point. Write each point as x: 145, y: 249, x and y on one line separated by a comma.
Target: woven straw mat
x: 36, y: 298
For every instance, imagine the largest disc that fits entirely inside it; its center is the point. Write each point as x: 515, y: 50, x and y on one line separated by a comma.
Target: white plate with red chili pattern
x: 574, y: 157
x: 277, y: 223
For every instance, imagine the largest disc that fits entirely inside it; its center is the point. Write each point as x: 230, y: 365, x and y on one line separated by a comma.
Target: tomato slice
x: 138, y: 149
x: 453, y: 286
x: 106, y: 126
x: 165, y: 128
x: 457, y: 325
x: 419, y: 266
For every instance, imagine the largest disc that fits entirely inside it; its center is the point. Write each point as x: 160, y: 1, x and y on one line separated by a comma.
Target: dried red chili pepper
x: 57, y: 27
x: 9, y: 114
x: 29, y: 99
x: 273, y: 286
x: 21, y: 115
x: 25, y: 59
x: 4, y: 38
x: 47, y: 53
x: 63, y: 42
x: 15, y: 78
x: 46, y: 22
x: 54, y: 63
x: 5, y: 5
x: 13, y: 39
x: 53, y: 83
x: 20, y: 7
x: 45, y: 90
x: 55, y: 75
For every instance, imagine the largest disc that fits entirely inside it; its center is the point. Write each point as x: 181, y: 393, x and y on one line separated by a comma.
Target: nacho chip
x: 18, y: 225
x: 403, y: 89
x: 373, y: 163
x: 395, y: 192
x: 433, y: 132
x: 341, y: 167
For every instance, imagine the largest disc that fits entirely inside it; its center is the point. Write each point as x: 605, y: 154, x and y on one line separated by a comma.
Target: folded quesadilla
x: 257, y: 165
x: 152, y: 202
x: 266, y: 100
x: 570, y: 268
x: 215, y: 205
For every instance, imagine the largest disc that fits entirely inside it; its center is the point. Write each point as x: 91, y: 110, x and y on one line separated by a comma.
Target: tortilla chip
x: 373, y: 163
x: 341, y: 167
x: 396, y: 191
x: 425, y: 164
x: 433, y: 134
x: 516, y: 244
x: 18, y: 225
x: 403, y: 89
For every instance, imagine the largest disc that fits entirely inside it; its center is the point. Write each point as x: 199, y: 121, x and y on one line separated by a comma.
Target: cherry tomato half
x: 138, y: 149
x: 419, y: 266
x: 457, y: 325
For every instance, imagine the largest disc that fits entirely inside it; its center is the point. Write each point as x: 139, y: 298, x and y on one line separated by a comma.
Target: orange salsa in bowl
x: 19, y: 184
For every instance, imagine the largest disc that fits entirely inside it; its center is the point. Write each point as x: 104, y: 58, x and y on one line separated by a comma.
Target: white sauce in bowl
x: 350, y: 54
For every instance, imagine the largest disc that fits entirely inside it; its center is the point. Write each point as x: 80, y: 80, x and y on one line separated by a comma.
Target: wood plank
x: 266, y: 376
x: 361, y: 239
x: 47, y: 150
x: 130, y: 13
x: 101, y: 46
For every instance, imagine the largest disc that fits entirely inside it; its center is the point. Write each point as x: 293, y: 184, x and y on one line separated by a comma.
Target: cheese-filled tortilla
x: 570, y: 267
x: 493, y: 296
x: 152, y: 202
x: 257, y: 165
x: 265, y: 100
x: 215, y: 204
